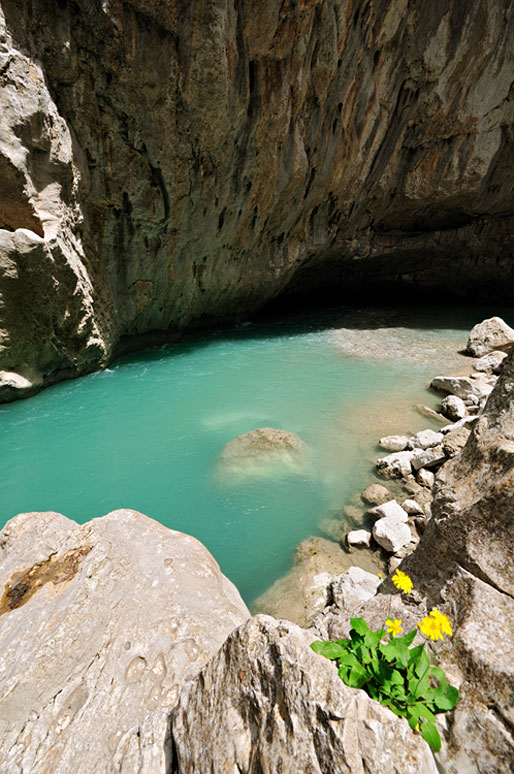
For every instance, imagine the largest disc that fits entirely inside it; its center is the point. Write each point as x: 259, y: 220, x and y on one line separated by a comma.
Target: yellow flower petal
x: 402, y: 581
x: 394, y: 627
x: 443, y: 621
x: 430, y: 628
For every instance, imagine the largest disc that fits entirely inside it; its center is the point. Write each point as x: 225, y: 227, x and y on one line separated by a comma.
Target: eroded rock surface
x: 100, y: 626
x: 166, y: 165
x: 277, y: 706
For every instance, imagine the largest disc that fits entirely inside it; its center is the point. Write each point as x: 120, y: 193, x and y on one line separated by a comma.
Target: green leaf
x: 415, y: 655
x: 440, y: 676
x: 359, y: 625
x: 407, y: 639
x: 431, y: 735
x: 446, y: 701
x: 358, y: 676
x: 400, y: 652
x: 348, y: 659
x: 413, y: 716
x: 372, y: 639
x: 328, y: 649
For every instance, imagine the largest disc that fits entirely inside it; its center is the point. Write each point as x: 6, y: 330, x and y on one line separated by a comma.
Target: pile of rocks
x: 415, y: 460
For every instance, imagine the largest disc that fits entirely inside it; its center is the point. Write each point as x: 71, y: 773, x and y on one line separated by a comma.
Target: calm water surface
x: 146, y: 433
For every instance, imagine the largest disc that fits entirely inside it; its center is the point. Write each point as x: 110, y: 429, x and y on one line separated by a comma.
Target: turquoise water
x: 147, y: 432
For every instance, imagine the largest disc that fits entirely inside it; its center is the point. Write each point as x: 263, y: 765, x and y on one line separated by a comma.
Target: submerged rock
x: 101, y: 625
x: 489, y: 335
x: 255, y: 450
x: 268, y: 703
x: 376, y: 494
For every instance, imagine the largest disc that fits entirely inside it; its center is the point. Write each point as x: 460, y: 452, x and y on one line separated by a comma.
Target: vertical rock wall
x: 173, y: 164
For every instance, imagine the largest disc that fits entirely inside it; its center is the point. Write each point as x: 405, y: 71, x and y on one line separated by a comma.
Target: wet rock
x: 392, y: 533
x: 101, y: 625
x: 453, y: 407
x: 428, y: 458
x: 489, y: 335
x: 491, y: 362
x: 455, y: 440
x: 424, y: 439
x: 394, y: 443
x: 358, y: 538
x: 271, y: 699
x: 396, y: 465
x: 376, y: 494
x: 391, y: 508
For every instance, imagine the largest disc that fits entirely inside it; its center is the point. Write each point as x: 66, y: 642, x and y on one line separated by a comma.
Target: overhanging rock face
x: 166, y: 164
x: 100, y: 626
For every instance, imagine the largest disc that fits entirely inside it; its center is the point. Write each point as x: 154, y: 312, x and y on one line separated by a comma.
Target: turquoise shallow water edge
x: 147, y: 432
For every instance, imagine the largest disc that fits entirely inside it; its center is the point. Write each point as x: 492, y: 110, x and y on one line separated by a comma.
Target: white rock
x: 353, y: 586
x: 490, y: 335
x: 462, y: 386
x: 412, y: 507
x: 425, y: 477
x: 394, y: 443
x: 464, y: 422
x: 119, y: 613
x: 358, y: 538
x: 427, y: 458
x: 395, y: 465
x: 392, y: 533
x: 391, y: 508
x: 453, y: 407
x: 394, y: 563
x: 424, y: 439
x: 268, y: 703
x: 491, y: 362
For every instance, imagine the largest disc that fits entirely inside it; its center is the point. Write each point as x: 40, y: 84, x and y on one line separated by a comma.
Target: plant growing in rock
x: 394, y: 673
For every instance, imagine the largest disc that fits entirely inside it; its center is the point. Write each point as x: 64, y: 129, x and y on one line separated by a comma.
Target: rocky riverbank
x: 124, y: 649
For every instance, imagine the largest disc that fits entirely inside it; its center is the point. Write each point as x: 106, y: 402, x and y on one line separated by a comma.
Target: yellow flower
x: 380, y: 575
x: 430, y: 628
x: 402, y: 581
x: 394, y: 627
x: 442, y: 621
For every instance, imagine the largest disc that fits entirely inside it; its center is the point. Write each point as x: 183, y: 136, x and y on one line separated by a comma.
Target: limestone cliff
x: 166, y: 165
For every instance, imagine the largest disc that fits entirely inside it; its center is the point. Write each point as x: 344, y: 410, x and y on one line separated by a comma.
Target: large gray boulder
x: 267, y: 703
x: 101, y: 625
x: 489, y: 335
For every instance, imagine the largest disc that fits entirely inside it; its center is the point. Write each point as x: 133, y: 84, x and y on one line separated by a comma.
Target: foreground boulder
x: 266, y: 703
x: 101, y: 624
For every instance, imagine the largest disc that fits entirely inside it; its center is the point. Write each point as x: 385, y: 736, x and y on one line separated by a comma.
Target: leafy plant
x: 394, y: 673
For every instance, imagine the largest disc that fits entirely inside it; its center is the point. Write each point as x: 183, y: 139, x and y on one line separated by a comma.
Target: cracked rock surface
x: 100, y: 626
x: 279, y: 707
